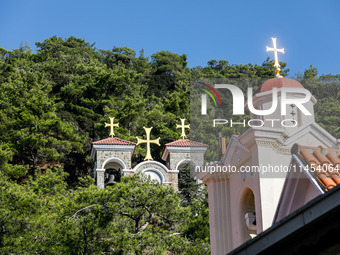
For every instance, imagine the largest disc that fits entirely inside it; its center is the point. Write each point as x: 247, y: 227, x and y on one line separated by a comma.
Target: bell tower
x: 183, y: 152
x: 112, y: 158
x: 243, y: 198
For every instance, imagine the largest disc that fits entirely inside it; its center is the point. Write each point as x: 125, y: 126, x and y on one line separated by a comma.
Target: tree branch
x: 75, y: 215
x: 176, y: 234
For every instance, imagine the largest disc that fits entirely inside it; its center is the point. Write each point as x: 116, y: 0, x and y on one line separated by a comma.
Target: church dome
x: 278, y: 83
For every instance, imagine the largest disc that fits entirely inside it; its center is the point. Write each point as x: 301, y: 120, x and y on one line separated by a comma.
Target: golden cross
x: 111, y: 125
x: 183, y: 127
x: 276, y: 64
x: 148, y: 141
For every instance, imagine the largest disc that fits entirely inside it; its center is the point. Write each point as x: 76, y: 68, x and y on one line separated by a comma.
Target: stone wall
x: 176, y: 157
x: 152, y: 165
x: 170, y: 178
x: 100, y: 178
x: 125, y: 156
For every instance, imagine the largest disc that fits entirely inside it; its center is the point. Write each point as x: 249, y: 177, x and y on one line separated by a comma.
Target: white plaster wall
x: 219, y: 211
x: 269, y: 146
x: 270, y: 185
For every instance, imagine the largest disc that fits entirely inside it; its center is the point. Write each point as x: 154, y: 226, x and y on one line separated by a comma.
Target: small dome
x: 278, y: 83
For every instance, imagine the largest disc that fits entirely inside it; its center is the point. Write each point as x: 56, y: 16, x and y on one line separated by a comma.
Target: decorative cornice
x: 101, y: 147
x: 208, y: 177
x: 277, y: 146
x: 151, y: 162
x: 186, y: 149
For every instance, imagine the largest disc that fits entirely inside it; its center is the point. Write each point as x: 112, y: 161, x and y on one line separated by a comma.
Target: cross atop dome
x: 276, y: 50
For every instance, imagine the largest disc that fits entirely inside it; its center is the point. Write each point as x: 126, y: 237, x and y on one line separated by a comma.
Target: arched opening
x: 188, y: 166
x: 113, y: 171
x: 154, y: 175
x: 247, y: 216
x: 188, y: 184
x: 112, y: 176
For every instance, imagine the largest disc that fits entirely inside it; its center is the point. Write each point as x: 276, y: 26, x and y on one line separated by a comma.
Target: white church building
x: 246, y: 202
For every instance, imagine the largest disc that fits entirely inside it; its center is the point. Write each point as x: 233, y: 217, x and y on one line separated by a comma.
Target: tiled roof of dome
x: 278, y: 83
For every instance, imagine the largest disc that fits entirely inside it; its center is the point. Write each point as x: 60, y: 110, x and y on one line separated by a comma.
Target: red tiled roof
x: 113, y: 141
x: 324, y: 162
x: 186, y: 143
x: 278, y: 83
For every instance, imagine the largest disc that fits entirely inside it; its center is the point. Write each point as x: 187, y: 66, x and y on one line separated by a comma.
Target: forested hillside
x: 54, y: 102
x: 53, y: 105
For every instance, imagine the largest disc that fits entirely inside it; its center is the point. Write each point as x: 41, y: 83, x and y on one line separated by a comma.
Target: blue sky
x: 237, y: 31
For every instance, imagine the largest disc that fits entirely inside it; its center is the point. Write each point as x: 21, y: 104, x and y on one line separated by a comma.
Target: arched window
x: 187, y: 167
x: 154, y: 175
x: 247, y: 215
x: 112, y: 172
x: 112, y: 176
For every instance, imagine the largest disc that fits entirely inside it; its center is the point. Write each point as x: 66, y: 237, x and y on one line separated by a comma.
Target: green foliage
x: 134, y: 216
x: 189, y: 189
x: 29, y: 123
x: 222, y: 68
x: 68, y: 89
x: 198, y: 227
x: 9, y: 170
x: 194, y: 195
x: 326, y: 89
x: 53, y: 105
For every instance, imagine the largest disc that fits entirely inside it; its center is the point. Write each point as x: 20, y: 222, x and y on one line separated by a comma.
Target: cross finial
x: 183, y: 127
x: 148, y: 141
x: 276, y: 50
x: 111, y: 125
